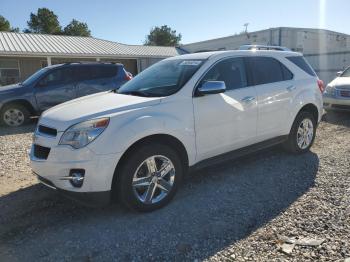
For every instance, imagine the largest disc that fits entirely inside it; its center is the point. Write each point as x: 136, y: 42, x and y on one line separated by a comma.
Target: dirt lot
x: 242, y: 210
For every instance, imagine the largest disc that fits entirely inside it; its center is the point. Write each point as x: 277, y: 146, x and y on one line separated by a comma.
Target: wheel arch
x: 165, y: 139
x: 22, y: 102
x: 311, y: 108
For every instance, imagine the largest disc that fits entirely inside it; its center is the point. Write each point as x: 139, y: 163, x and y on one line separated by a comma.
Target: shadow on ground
x: 337, y: 118
x: 215, y: 207
x: 29, y: 128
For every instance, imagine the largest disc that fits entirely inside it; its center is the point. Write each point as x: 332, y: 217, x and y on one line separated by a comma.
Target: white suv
x: 184, y: 112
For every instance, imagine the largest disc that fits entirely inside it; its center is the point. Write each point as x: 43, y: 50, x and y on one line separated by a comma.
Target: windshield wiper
x: 135, y: 93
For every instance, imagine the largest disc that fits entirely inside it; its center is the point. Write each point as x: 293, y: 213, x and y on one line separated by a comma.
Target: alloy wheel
x: 305, y: 133
x: 153, y: 180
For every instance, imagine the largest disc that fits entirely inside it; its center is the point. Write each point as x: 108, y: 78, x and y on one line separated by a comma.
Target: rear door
x: 96, y: 78
x: 56, y: 87
x: 226, y: 121
x: 274, y: 87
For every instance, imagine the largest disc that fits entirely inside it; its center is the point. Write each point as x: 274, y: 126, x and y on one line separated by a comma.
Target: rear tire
x: 144, y: 190
x: 302, y: 134
x: 14, y: 115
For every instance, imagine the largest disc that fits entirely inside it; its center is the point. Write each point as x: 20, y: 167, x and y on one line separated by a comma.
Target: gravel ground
x: 241, y: 210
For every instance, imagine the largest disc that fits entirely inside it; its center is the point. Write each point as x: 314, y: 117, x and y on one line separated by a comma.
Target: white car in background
x: 337, y: 93
x: 182, y: 113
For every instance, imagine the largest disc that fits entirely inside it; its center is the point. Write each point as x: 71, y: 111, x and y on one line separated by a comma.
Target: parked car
x: 54, y: 85
x: 182, y: 113
x: 337, y: 93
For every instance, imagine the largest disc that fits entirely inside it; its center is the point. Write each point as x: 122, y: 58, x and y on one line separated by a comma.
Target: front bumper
x: 336, y: 102
x: 87, y: 198
x: 54, y: 170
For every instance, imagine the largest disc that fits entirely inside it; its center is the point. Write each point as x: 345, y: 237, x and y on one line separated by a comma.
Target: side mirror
x: 211, y: 87
x: 339, y: 73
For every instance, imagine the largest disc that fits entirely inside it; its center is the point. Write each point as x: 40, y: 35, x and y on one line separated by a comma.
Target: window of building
x: 9, y: 72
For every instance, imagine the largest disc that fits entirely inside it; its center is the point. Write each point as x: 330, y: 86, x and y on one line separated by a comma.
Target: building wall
x: 146, y: 62
x: 327, y: 51
x: 29, y: 66
x: 327, y: 65
x: 234, y: 42
x: 25, y: 67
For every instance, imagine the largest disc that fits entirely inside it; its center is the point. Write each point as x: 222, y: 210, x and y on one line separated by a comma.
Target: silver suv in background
x: 337, y: 93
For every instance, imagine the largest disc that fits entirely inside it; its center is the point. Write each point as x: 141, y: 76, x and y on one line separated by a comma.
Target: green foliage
x: 77, y: 28
x: 163, y: 36
x: 14, y: 29
x: 4, y: 24
x: 43, y: 22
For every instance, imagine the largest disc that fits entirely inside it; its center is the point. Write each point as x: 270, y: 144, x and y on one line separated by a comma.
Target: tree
x: 77, y: 28
x: 163, y: 36
x: 44, y: 22
x: 5, y: 25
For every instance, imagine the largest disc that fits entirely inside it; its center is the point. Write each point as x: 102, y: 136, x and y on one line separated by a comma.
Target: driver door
x: 56, y: 87
x: 225, y: 121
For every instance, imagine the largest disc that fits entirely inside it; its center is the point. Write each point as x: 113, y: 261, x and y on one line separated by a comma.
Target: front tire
x: 14, y: 115
x: 302, y: 134
x: 149, y: 177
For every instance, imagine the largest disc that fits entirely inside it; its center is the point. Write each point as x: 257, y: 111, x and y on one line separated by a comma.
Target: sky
x: 129, y: 21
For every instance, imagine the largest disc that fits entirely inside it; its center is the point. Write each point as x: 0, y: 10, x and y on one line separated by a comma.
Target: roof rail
x: 263, y: 47
x: 91, y: 62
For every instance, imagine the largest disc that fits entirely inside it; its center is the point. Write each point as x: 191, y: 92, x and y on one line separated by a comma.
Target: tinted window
x: 287, y: 75
x: 90, y: 72
x: 34, y: 77
x: 57, y: 76
x: 266, y: 70
x: 231, y: 71
x: 302, y: 64
x: 104, y: 71
x: 82, y: 73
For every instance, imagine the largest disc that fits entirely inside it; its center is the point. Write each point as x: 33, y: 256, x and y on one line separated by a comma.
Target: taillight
x: 320, y: 85
x: 128, y: 76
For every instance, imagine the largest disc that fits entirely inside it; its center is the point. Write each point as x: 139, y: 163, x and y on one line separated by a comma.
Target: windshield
x: 34, y: 77
x: 162, y: 79
x: 346, y: 73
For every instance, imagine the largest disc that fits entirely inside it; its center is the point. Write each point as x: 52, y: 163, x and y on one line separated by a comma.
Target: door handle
x: 248, y: 99
x: 290, y: 88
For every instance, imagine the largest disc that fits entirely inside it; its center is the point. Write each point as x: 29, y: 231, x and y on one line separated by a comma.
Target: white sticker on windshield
x: 191, y: 63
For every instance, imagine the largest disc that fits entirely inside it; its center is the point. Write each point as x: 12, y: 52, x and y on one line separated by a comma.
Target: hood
x: 341, y: 83
x: 10, y: 88
x: 98, y: 105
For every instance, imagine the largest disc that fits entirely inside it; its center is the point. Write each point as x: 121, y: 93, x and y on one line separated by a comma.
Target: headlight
x: 330, y: 90
x: 84, y: 133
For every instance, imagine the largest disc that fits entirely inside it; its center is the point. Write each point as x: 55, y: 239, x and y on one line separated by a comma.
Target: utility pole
x: 246, y: 27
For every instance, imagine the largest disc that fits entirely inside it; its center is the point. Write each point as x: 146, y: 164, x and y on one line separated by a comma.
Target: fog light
x: 76, y: 177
